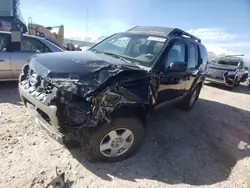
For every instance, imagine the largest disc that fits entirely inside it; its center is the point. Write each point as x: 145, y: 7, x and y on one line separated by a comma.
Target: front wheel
x: 247, y: 83
x: 116, y: 141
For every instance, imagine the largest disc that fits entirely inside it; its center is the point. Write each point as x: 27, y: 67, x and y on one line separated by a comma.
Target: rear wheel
x: 116, y: 141
x: 188, y: 101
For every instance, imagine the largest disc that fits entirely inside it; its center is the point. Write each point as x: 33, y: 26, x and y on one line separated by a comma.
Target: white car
x: 12, y: 62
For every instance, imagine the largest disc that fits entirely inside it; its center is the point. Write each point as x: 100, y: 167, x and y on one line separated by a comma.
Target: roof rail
x: 234, y: 55
x: 132, y: 28
x: 173, y: 32
x: 180, y: 32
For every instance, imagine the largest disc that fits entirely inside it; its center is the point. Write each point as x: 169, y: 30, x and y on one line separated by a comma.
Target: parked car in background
x: 229, y: 71
x: 247, y: 82
x: 12, y: 62
x: 85, y: 48
x: 101, y: 97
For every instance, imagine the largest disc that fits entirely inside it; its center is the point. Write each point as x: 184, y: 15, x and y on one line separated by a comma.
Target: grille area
x: 215, y: 73
x: 38, y: 87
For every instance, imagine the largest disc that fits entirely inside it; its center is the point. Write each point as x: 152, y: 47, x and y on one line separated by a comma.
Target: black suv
x: 102, y: 97
x: 228, y: 70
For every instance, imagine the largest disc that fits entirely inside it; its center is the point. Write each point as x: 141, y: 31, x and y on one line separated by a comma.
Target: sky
x: 222, y: 25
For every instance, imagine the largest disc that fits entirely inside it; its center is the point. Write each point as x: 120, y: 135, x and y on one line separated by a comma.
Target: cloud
x: 235, y: 44
x: 219, y: 41
x: 215, y: 34
x: 218, y: 50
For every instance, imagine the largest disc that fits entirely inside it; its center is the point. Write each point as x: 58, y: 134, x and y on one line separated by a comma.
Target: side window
x: 29, y: 44
x: 192, y: 56
x: 4, y: 40
x: 176, y: 53
x: 203, y: 55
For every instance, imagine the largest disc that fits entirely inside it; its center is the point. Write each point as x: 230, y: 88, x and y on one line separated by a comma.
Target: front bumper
x: 35, y: 106
x: 214, y: 80
x: 224, y: 80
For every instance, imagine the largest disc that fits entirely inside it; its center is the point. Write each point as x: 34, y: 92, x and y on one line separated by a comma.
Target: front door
x: 5, y: 66
x: 172, y: 84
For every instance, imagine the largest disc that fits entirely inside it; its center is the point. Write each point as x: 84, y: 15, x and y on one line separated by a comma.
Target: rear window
x: 229, y: 63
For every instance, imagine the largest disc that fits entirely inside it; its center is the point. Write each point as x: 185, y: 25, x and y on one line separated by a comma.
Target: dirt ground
x: 206, y: 147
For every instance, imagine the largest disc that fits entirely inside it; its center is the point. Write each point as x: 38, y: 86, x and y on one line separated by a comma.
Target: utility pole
x: 86, y: 37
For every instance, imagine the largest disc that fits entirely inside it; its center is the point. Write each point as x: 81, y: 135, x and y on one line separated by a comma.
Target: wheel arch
x: 138, y: 110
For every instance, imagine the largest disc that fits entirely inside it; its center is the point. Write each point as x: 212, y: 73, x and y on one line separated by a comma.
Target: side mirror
x: 38, y: 51
x: 178, y: 66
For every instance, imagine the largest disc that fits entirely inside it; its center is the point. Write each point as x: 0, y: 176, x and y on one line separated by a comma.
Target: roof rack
x: 165, y: 31
x: 179, y: 32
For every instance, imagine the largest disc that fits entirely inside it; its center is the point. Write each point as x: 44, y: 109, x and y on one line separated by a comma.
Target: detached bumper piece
x: 54, y: 133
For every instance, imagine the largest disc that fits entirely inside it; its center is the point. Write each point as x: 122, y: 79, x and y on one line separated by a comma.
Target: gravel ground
x: 206, y: 147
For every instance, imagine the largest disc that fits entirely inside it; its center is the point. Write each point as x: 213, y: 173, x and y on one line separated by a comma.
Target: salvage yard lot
x: 208, y: 146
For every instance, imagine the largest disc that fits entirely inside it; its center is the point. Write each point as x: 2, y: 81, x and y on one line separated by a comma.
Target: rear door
x: 29, y: 47
x: 193, y: 65
x: 5, y: 66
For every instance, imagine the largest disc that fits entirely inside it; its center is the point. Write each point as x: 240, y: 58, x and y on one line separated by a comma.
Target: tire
x: 246, y: 82
x: 230, y: 88
x: 237, y: 83
x: 101, y: 136
x: 188, y: 101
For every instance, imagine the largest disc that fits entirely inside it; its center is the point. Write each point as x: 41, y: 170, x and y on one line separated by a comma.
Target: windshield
x: 137, y: 48
x: 229, y: 63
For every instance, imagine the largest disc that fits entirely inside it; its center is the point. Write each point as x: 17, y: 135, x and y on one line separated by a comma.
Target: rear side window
x: 29, y: 44
x: 192, y: 56
x: 203, y: 55
x: 4, y: 41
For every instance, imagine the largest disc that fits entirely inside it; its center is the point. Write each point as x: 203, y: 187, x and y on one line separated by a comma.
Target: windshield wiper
x: 113, y: 55
x: 117, y: 56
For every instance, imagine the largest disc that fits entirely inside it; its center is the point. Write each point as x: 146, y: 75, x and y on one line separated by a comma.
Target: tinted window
x: 4, y: 40
x: 176, y: 53
x: 203, y: 54
x: 229, y: 63
x: 29, y: 44
x: 192, y: 56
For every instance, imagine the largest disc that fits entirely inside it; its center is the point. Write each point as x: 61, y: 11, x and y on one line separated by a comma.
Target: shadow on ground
x: 185, y: 147
x: 244, y: 89
x: 9, y: 93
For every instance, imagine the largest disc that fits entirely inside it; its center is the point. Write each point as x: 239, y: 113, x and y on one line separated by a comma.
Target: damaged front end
x: 229, y: 78
x: 92, y: 108
x: 220, y: 76
x: 76, y: 103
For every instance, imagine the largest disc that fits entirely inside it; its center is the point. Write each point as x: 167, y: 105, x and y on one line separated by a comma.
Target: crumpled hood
x: 72, y: 69
x: 221, y: 67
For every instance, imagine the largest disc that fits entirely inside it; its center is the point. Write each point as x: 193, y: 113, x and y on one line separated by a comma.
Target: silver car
x: 12, y: 62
